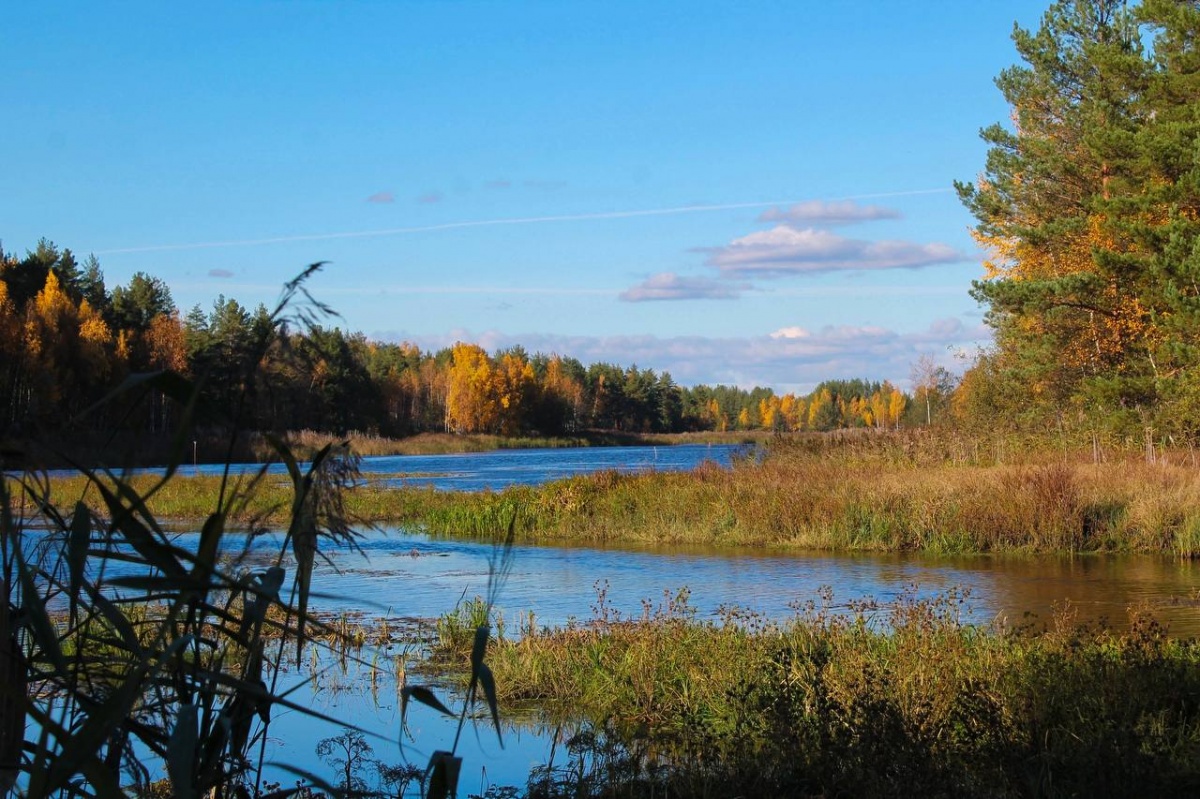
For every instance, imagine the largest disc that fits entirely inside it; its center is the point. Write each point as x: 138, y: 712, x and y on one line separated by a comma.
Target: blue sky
x: 753, y: 193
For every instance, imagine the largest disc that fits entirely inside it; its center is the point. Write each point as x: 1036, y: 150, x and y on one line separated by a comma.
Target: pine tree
x: 1062, y: 287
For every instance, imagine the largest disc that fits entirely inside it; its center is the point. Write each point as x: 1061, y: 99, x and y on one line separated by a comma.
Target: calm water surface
x: 477, y: 471
x: 410, y: 574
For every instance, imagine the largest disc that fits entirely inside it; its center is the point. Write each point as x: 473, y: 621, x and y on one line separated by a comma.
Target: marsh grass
x: 881, y: 497
x: 368, y: 445
x: 897, y: 700
x: 455, y: 629
x: 861, y: 492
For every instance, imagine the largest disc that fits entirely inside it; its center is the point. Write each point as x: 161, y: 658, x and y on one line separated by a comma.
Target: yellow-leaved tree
x: 472, y: 401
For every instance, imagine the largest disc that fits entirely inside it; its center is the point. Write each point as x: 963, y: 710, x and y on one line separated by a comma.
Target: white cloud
x: 789, y: 359
x: 791, y: 332
x: 670, y: 286
x: 785, y: 250
x: 843, y: 212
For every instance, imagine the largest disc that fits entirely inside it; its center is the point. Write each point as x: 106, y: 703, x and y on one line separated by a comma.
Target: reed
x: 124, y: 648
x: 866, y: 495
x: 456, y: 628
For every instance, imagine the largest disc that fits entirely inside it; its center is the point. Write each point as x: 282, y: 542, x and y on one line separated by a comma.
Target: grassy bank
x: 865, y: 493
x: 850, y: 497
x: 897, y: 702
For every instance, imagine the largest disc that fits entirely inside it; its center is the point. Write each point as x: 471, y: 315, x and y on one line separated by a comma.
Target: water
x: 495, y: 470
x: 413, y: 575
x: 476, y: 471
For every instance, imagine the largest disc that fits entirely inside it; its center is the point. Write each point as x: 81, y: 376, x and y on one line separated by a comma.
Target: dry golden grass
x: 862, y: 492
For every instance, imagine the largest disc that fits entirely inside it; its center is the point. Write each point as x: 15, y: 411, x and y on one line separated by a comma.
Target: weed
x: 887, y: 700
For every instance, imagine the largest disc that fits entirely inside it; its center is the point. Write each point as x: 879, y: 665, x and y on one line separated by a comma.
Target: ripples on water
x: 401, y: 574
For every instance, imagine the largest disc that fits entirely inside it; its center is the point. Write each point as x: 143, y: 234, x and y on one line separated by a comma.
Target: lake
x: 413, y: 575
x: 401, y: 574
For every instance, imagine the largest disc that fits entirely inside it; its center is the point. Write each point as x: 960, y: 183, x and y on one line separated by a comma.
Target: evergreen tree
x: 1062, y: 287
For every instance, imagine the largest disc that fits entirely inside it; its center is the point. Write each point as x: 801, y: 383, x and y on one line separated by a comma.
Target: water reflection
x: 414, y: 575
x: 402, y: 574
x: 498, y: 469
x: 349, y: 695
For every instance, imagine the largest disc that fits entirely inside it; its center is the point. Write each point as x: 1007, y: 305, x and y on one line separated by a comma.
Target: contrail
x: 519, y: 220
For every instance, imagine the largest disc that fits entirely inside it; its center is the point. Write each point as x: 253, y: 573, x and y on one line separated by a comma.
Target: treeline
x: 1089, y: 204
x: 66, y: 341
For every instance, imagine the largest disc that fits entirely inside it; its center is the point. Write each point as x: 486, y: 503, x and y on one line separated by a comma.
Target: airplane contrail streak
x: 520, y: 220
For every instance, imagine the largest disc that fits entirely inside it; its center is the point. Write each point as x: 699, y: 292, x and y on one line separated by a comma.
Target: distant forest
x: 66, y: 341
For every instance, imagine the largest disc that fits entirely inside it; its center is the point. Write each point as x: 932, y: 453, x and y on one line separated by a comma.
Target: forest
x: 67, y: 341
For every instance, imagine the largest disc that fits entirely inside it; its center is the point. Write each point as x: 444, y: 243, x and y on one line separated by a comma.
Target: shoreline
x: 863, y: 496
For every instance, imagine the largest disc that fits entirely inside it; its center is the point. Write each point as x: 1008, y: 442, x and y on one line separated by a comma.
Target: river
x: 413, y: 575
x: 498, y: 469
x: 409, y: 574
x: 400, y: 574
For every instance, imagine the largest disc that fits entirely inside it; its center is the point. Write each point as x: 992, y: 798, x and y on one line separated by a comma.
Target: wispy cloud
x: 430, y: 197
x: 382, y: 197
x: 474, y: 223
x: 499, y: 183
x: 790, y: 359
x: 484, y: 290
x: 670, y: 286
x: 785, y: 250
x: 822, y: 213
x: 222, y: 273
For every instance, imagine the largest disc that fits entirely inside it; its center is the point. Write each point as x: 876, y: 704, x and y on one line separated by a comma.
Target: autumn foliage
x: 67, y: 341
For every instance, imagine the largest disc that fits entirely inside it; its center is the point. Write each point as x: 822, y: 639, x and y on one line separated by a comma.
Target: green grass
x: 897, y: 701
